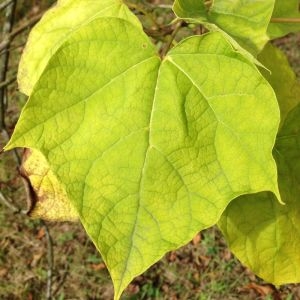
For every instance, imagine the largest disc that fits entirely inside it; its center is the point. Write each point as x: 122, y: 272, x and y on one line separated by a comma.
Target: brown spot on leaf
x: 46, y: 196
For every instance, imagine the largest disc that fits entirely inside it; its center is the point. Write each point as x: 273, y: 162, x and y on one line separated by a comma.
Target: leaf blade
x: 270, y: 248
x: 55, y: 27
x: 245, y: 22
x: 282, y: 78
x: 137, y: 146
x: 284, y: 10
x: 262, y: 233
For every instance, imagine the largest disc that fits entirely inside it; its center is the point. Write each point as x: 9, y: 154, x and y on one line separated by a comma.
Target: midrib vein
x: 141, y: 181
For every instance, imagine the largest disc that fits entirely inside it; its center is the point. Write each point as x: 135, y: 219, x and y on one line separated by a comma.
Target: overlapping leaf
x: 285, y: 11
x: 262, y: 233
x: 246, y: 21
x: 150, y: 151
x: 55, y: 27
x: 281, y: 77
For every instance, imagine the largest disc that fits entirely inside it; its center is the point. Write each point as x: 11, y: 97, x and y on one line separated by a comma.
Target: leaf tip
x: 9, y: 146
x: 278, y: 196
x: 6, y: 148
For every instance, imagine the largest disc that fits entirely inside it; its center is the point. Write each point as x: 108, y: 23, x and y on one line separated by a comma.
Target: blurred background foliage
x: 32, y: 252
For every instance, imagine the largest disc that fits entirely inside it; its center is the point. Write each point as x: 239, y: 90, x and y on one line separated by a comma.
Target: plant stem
x: 7, y: 202
x: 172, y: 37
x: 7, y: 82
x: 6, y: 42
x: 285, y: 20
x: 7, y: 28
x: 5, y: 3
x: 165, y: 6
x: 50, y: 261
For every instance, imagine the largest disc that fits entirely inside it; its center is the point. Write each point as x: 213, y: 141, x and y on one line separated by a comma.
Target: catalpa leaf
x: 286, y: 18
x: 281, y: 77
x: 46, y: 197
x: 263, y: 234
x: 150, y: 151
x: 245, y: 22
x: 55, y: 27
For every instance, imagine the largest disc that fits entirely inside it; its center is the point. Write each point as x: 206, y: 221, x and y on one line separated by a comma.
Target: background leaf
x: 150, y: 152
x: 263, y: 234
x: 281, y: 77
x: 284, y: 9
x: 245, y: 21
x: 55, y: 27
x: 190, y: 9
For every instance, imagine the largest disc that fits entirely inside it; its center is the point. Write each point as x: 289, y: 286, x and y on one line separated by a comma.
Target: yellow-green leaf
x: 286, y: 18
x: 150, y: 151
x: 281, y: 77
x: 263, y: 234
x: 55, y: 27
x: 245, y: 22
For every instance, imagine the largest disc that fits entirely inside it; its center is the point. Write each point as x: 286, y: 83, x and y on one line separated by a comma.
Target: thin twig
x: 5, y: 3
x: 7, y: 28
x: 5, y: 43
x: 8, y: 203
x: 50, y: 258
x: 285, y: 20
x: 6, y: 138
x: 8, y: 82
x: 14, y: 47
x: 159, y: 34
x: 62, y: 280
x: 167, y: 6
x: 172, y: 37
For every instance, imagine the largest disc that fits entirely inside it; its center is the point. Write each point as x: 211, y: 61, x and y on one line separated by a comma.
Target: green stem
x: 285, y: 20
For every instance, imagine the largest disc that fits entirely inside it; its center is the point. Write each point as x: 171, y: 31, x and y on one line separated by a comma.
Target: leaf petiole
x: 285, y: 20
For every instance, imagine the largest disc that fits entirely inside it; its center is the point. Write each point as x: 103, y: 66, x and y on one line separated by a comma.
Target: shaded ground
x: 203, y: 269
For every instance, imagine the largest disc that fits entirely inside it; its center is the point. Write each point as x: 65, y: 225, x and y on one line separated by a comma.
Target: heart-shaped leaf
x: 263, y: 234
x: 150, y: 151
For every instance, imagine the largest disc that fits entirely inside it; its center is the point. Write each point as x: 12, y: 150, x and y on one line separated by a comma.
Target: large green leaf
x: 281, y: 77
x: 284, y: 10
x: 245, y: 21
x: 55, y: 27
x: 150, y: 151
x: 263, y: 234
